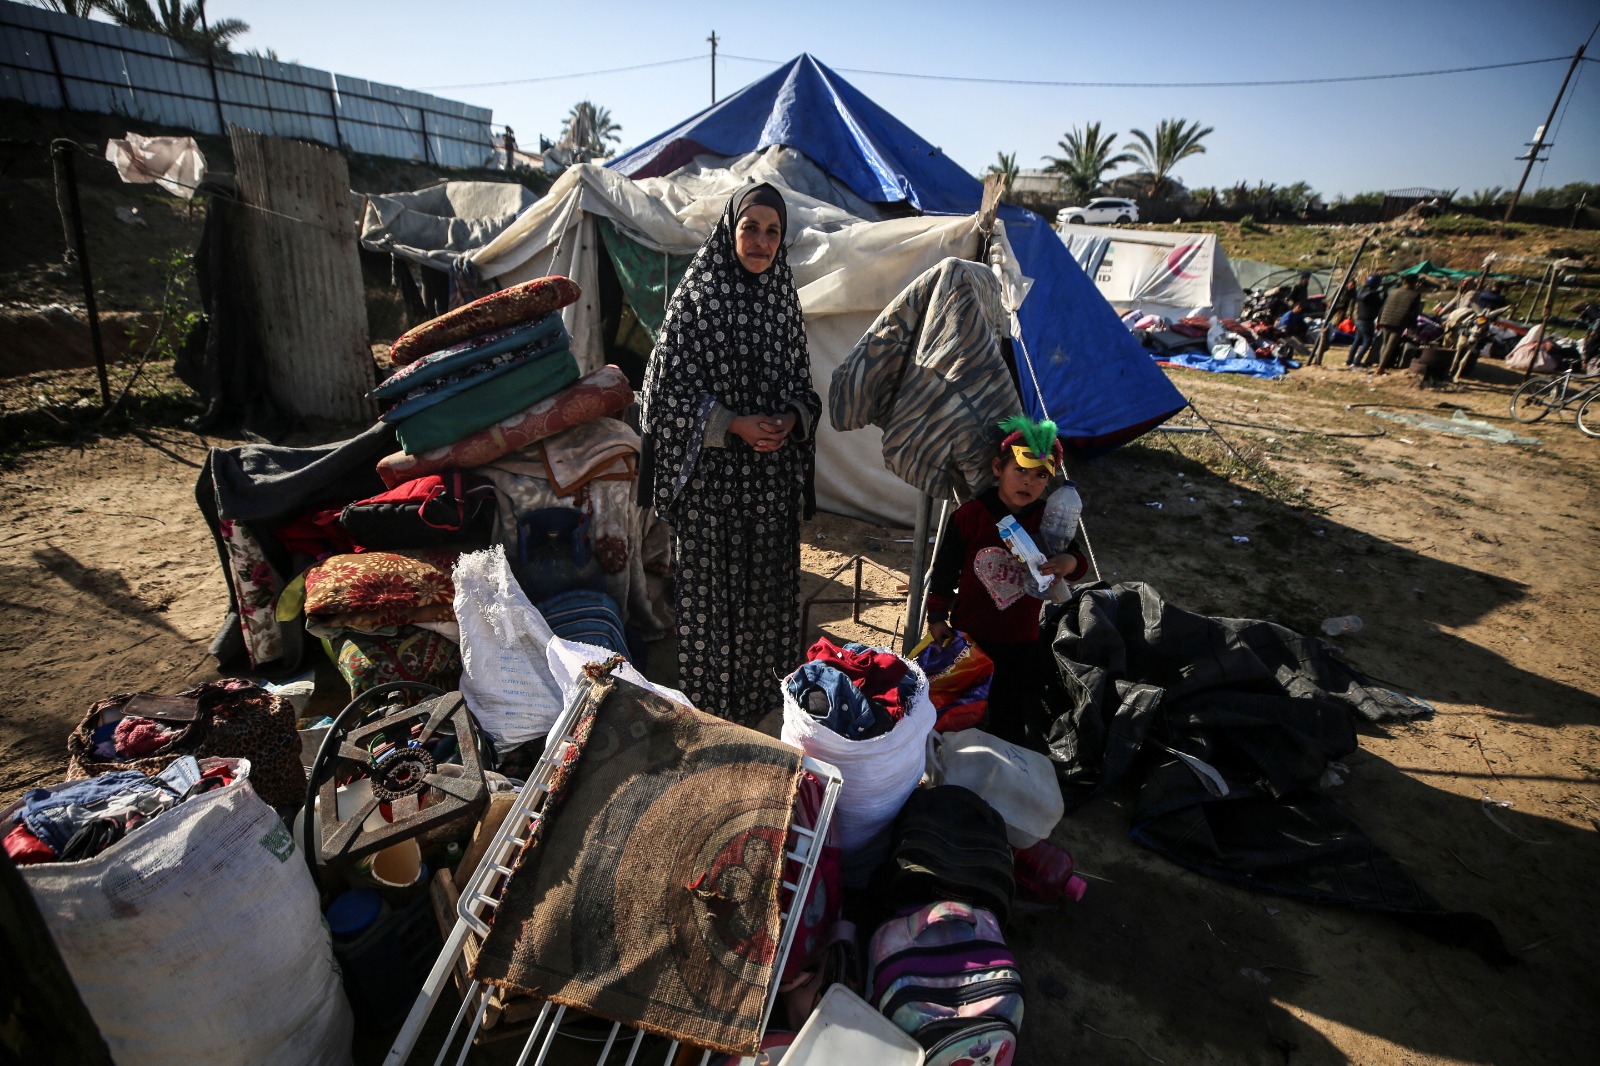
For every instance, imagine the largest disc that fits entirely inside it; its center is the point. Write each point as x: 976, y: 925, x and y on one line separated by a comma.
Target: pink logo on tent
x: 1176, y: 257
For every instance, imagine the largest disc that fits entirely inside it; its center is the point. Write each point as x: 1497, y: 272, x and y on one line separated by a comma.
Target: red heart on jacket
x: 1002, y: 575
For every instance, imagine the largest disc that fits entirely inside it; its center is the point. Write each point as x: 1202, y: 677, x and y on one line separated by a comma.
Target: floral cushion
x: 412, y: 654
x: 389, y: 588
x: 497, y: 311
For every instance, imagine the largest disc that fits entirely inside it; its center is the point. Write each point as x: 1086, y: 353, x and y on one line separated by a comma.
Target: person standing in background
x: 1369, y: 301
x: 1398, y: 315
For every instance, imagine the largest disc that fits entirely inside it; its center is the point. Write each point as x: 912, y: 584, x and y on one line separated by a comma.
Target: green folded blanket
x: 476, y: 408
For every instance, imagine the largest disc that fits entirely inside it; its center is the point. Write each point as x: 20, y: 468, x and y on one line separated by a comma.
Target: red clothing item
x: 955, y: 590
x: 26, y: 849
x: 874, y: 672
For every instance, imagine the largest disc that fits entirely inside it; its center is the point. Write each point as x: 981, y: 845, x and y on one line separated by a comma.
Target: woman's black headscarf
x: 762, y: 195
x: 733, y: 338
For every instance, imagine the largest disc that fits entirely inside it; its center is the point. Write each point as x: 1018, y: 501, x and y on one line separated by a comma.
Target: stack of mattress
x: 466, y: 370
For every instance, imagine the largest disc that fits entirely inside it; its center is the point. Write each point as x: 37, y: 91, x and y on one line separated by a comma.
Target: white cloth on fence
x: 174, y: 163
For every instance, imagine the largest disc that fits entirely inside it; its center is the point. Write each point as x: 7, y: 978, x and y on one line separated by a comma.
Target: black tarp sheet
x: 1137, y: 681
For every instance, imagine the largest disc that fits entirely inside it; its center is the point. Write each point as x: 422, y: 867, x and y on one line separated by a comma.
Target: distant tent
x: 1428, y: 268
x: 1169, y: 274
x: 1256, y: 276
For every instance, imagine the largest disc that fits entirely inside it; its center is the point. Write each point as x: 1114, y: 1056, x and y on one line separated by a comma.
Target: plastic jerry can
x: 1018, y: 783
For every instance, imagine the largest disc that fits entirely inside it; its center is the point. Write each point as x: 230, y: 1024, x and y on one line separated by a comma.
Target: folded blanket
x: 600, y: 392
x: 499, y: 310
x: 587, y: 450
x: 486, y: 403
x: 441, y: 389
x: 468, y: 353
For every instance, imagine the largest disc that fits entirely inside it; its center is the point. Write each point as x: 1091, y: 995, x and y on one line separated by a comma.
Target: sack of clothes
x: 193, y: 930
x: 867, y: 712
x: 233, y: 717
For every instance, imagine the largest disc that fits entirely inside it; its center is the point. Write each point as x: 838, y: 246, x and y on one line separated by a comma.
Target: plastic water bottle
x: 1045, y: 871
x: 1341, y: 624
x: 1059, y: 525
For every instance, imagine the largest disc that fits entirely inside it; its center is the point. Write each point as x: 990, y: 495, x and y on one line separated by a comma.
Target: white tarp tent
x: 847, y: 267
x: 433, y: 226
x: 1170, y: 274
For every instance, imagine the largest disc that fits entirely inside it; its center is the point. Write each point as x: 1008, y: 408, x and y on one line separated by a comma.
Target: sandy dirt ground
x: 1474, y: 566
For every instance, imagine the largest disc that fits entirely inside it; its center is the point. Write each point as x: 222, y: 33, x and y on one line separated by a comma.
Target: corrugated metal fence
x: 53, y: 60
x: 304, y: 276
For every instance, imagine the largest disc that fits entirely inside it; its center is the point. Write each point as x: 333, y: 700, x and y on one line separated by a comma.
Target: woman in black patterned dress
x: 727, y: 413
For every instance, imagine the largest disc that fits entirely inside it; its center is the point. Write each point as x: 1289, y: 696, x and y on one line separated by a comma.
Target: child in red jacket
x: 978, y: 587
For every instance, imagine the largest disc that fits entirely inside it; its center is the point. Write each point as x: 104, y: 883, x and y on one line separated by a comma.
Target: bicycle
x: 1589, y: 417
x: 1537, y: 397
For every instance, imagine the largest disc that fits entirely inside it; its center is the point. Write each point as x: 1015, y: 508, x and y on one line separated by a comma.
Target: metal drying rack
x: 481, y: 895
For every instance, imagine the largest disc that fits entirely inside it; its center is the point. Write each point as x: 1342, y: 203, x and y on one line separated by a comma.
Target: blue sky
x: 1453, y: 131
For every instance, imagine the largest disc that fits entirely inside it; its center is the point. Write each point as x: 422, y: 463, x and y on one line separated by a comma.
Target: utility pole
x: 713, y: 40
x: 1538, y: 136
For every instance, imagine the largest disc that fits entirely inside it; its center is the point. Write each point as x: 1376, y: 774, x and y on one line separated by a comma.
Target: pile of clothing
x: 80, y: 819
x: 856, y: 691
x: 1218, y: 345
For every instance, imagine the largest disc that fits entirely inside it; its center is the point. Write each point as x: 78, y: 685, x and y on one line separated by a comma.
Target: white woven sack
x: 879, y: 773
x: 198, y: 938
x: 505, y: 678
x: 568, y: 658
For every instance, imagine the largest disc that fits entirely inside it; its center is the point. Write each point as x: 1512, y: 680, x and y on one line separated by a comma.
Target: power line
x: 576, y: 74
x: 1015, y: 81
x: 1172, y: 84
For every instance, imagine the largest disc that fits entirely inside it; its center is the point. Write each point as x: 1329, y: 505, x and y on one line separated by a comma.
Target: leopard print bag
x: 235, y: 718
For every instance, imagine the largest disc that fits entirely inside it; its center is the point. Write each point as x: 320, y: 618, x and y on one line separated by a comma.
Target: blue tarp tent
x: 1093, y: 378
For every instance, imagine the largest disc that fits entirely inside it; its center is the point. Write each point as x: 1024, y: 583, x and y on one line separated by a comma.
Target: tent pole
x: 1544, y: 318
x: 66, y: 176
x: 919, y: 572
x: 1333, y: 305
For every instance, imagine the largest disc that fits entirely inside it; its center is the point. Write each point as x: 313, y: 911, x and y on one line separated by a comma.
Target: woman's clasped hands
x: 764, y: 432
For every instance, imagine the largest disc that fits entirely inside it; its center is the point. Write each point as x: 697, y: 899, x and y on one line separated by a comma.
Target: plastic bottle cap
x: 353, y: 912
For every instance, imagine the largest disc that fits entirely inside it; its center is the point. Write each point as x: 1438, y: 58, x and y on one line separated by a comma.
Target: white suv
x: 1100, y: 210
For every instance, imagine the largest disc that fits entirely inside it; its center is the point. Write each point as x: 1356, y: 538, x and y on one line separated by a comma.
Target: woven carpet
x: 648, y: 894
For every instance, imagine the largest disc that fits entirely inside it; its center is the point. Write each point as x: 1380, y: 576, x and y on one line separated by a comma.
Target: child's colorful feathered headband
x: 1032, y: 443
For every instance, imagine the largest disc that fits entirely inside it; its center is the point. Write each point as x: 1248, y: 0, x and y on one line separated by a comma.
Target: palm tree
x: 77, y: 8
x: 1175, y: 141
x: 1085, y: 162
x: 1005, y: 166
x: 184, y: 23
x: 588, y: 128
